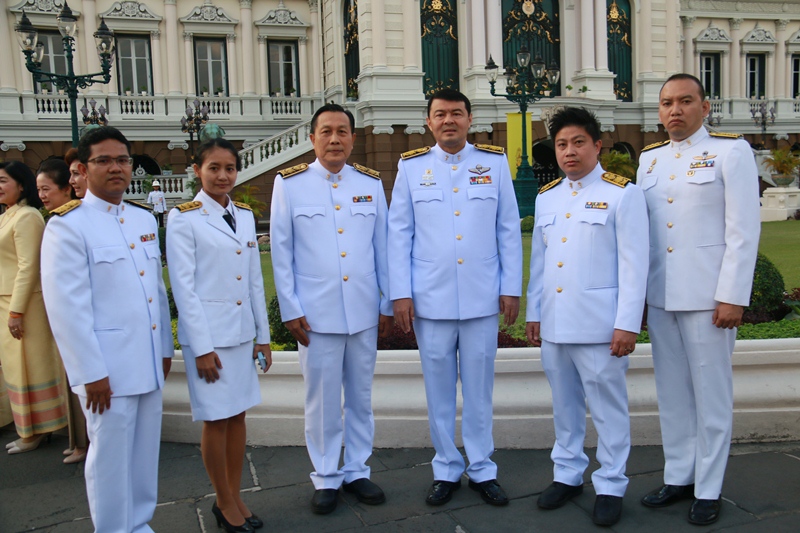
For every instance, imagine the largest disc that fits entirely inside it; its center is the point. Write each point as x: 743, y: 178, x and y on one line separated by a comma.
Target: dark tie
x: 229, y: 219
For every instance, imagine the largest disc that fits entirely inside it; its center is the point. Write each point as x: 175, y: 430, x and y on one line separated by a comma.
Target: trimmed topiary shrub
x: 279, y: 334
x: 173, y: 309
x: 162, y: 243
x: 766, y: 301
x: 526, y: 224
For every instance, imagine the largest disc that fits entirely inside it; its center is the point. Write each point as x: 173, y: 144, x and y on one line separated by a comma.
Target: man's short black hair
x: 336, y: 108
x: 684, y: 76
x: 575, y: 116
x: 450, y: 95
x: 98, y: 135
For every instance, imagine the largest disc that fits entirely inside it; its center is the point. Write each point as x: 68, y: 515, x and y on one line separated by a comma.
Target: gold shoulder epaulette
x: 242, y: 205
x: 491, y: 148
x: 189, y: 206
x: 547, y: 186
x: 368, y: 171
x: 291, y: 171
x: 723, y: 135
x: 66, y: 208
x: 616, y: 179
x: 654, y: 145
x: 137, y: 204
x: 415, y: 153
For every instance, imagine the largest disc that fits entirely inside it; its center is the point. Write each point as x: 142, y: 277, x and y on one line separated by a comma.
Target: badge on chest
x: 361, y: 199
x: 148, y: 237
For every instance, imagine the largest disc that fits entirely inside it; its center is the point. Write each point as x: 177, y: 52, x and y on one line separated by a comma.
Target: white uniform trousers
x: 122, y: 463
x: 448, y: 348
x: 694, y: 382
x: 330, y: 362
x: 581, y: 374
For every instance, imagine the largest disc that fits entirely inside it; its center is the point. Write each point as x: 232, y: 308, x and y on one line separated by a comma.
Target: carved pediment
x: 45, y: 7
x: 208, y: 13
x: 129, y: 10
x: 281, y: 17
x: 759, y: 35
x: 712, y: 34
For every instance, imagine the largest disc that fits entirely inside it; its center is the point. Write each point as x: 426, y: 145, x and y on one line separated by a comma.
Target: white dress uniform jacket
x: 455, y: 244
x: 588, y: 260
x: 218, y: 307
x: 329, y: 248
x: 156, y: 199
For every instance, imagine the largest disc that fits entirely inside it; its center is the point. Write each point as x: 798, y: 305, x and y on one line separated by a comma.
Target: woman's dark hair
x: 204, y: 149
x: 58, y: 172
x: 20, y: 173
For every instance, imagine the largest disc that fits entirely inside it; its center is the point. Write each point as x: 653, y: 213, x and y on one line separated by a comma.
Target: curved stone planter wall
x: 766, y: 392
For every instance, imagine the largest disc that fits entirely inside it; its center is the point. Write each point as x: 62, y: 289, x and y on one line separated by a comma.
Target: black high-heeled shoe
x: 254, y: 521
x: 227, y: 526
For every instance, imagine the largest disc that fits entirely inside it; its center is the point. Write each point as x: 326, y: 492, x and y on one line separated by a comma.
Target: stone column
x: 262, y: 58
x: 8, y: 41
x: 770, y: 77
x: 780, y: 63
x: 188, y: 52
x: 672, y: 38
x: 302, y: 57
x: 377, y: 34
x: 478, y: 34
x: 314, y: 33
x: 411, y: 35
x: 600, y: 35
x: 155, y: 42
x: 644, y: 42
x: 689, y: 60
x: 736, y: 60
x: 587, y: 33
x: 171, y: 26
x: 89, y: 17
x: 248, y: 66
x: 233, y: 71
x: 725, y: 63
x: 494, y: 30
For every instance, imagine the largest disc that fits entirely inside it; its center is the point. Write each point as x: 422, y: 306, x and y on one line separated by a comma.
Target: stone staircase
x: 274, y: 151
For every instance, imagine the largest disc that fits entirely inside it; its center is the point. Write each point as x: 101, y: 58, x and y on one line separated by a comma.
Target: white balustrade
x: 275, y: 145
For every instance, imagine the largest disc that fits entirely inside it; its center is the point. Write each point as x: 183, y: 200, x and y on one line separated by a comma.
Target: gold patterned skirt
x: 33, y: 371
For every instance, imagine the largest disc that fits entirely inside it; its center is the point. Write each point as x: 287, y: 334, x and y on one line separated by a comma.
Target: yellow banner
x: 514, y: 139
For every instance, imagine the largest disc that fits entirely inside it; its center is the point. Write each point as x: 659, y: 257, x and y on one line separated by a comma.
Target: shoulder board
x: 654, y: 145
x: 189, y: 206
x: 66, y: 208
x: 137, y: 204
x: 242, y: 205
x: 723, y: 135
x: 547, y: 186
x: 368, y: 171
x: 415, y: 153
x: 291, y: 171
x: 490, y: 148
x: 616, y: 179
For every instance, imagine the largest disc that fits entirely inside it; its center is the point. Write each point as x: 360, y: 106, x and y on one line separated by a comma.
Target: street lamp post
x: 763, y: 117
x: 28, y: 37
x: 525, y: 85
x: 96, y: 115
x: 196, y: 117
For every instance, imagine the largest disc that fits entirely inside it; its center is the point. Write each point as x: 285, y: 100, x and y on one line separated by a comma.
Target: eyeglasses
x: 105, y: 161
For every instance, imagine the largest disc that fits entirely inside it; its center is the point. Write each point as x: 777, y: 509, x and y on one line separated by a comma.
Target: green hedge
x: 784, y: 329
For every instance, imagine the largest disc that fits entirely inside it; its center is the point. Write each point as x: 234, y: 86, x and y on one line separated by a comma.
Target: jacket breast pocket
x: 699, y: 177
x: 427, y: 195
x: 543, y: 221
x: 592, y: 217
x: 309, y: 211
x: 109, y: 254
x: 482, y: 193
x: 649, y: 181
x: 152, y: 251
x: 363, y: 210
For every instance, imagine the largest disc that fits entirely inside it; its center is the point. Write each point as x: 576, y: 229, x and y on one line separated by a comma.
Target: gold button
x: 141, y: 272
x: 574, y: 193
x: 460, y: 261
x: 669, y: 224
x: 335, y: 185
x: 150, y: 299
x: 455, y: 189
x: 458, y: 237
x: 121, y: 220
x: 677, y: 156
x: 239, y: 278
x: 568, y: 215
x: 563, y: 239
x: 454, y: 167
x: 457, y: 213
x: 238, y: 252
x: 670, y: 200
x: 560, y: 264
x: 669, y: 249
x: 559, y: 289
x: 154, y: 326
x: 340, y: 230
x: 672, y: 177
x: 345, y: 278
x: 133, y: 246
x: 238, y: 302
x: 337, y: 207
x: 343, y: 254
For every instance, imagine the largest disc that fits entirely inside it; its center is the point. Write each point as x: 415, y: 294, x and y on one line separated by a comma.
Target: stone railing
x: 273, y: 147
x: 52, y: 105
x: 174, y: 187
x: 133, y: 106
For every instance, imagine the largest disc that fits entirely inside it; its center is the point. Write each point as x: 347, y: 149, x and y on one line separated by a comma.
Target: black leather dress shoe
x: 441, y: 492
x: 704, y: 512
x: 667, y: 495
x: 366, y: 491
x: 324, y: 501
x: 607, y: 510
x: 254, y: 521
x: 223, y: 523
x: 557, y: 495
x: 491, y: 491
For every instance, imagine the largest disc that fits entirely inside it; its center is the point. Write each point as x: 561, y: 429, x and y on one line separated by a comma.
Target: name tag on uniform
x: 148, y: 237
x: 480, y: 180
x: 252, y: 244
x: 359, y: 199
x: 596, y: 205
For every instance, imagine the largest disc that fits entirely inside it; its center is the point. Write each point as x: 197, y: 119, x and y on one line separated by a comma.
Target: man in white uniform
x: 156, y: 199
x: 585, y: 303
x: 105, y: 298
x: 702, y: 196
x: 455, y: 262
x: 328, y: 236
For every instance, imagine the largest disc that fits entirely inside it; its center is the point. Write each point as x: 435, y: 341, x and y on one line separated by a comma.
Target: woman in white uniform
x: 215, y: 272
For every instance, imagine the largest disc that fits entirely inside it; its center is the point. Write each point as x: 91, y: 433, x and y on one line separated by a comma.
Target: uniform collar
x: 102, y: 205
x: 587, y: 180
x: 321, y: 171
x: 692, y: 140
x: 451, y: 159
x: 213, y: 204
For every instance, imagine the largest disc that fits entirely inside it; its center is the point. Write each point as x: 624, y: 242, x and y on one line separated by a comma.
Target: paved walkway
x: 39, y: 493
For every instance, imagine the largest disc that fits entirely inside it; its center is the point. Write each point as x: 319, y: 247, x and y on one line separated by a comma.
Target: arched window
x: 439, y: 45
x: 535, y: 24
x: 618, y: 22
x: 351, y: 62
